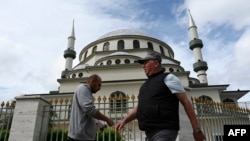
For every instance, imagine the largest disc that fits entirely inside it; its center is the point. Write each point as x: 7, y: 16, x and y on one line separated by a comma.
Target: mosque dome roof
x: 124, y: 32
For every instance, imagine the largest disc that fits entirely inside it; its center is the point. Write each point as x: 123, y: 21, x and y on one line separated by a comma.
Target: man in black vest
x: 157, y: 110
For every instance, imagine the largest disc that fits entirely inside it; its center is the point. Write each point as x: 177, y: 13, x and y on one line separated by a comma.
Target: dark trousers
x: 161, y: 135
x: 70, y: 139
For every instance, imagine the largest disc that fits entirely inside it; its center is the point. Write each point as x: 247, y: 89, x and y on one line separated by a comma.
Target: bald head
x: 94, y: 81
x: 94, y: 77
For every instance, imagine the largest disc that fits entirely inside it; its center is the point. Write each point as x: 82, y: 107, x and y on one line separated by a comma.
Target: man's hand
x: 110, y: 122
x: 119, y: 125
x: 199, y: 136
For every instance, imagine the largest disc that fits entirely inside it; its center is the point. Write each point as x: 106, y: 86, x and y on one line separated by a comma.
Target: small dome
x: 82, y: 66
x: 118, y: 53
x: 124, y: 32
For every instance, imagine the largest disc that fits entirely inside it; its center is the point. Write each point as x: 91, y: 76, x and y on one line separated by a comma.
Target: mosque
x: 113, y: 56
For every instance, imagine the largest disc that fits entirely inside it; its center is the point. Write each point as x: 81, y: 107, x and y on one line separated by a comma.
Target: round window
x: 109, y: 62
x: 117, y: 61
x: 127, y: 61
x: 80, y: 74
x: 171, y: 69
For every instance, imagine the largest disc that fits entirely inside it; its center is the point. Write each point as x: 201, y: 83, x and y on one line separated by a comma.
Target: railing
x: 59, y: 119
x: 114, y: 107
x: 213, y: 116
x: 6, y: 115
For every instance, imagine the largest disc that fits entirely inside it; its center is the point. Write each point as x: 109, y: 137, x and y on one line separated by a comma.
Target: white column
x: 29, y: 121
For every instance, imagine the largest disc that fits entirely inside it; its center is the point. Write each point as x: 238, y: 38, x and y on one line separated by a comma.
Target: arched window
x: 86, y: 53
x: 106, y: 46
x: 205, y: 106
x: 205, y: 98
x: 94, y: 49
x: 118, y: 102
x: 120, y: 45
x: 150, y: 46
x: 228, y: 101
x: 230, y: 104
x: 170, y: 54
x: 136, y: 44
x: 162, y: 50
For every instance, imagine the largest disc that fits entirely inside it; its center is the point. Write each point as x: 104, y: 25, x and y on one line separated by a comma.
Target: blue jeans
x: 161, y: 135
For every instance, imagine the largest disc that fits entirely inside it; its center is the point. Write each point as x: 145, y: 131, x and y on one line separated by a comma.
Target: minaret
x: 195, y: 45
x: 69, y: 53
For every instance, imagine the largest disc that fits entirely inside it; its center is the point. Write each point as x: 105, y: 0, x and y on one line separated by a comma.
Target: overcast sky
x: 33, y: 37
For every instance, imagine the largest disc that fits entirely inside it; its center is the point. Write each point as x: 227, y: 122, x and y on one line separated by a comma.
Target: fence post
x: 27, y: 123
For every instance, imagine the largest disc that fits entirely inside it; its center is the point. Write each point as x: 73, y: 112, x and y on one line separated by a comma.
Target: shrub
x: 108, y: 134
x: 57, y: 135
x: 4, y: 133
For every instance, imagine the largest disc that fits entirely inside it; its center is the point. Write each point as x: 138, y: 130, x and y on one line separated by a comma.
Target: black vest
x: 158, y: 108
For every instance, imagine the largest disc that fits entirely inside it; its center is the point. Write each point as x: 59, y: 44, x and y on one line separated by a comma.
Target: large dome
x: 124, y: 32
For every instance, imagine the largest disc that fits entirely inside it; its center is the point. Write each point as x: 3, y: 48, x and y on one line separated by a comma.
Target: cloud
x: 234, y: 12
x: 224, y: 28
x: 242, y: 48
x: 239, y: 65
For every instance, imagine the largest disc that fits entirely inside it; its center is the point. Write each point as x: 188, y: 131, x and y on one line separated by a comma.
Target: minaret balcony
x: 63, y: 74
x: 69, y: 53
x: 195, y: 43
x: 201, y: 65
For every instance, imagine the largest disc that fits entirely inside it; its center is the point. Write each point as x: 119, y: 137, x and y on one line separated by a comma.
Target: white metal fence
x: 6, y: 115
x: 212, y: 117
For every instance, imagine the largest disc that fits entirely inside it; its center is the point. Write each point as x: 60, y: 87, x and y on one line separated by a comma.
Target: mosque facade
x: 113, y: 56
